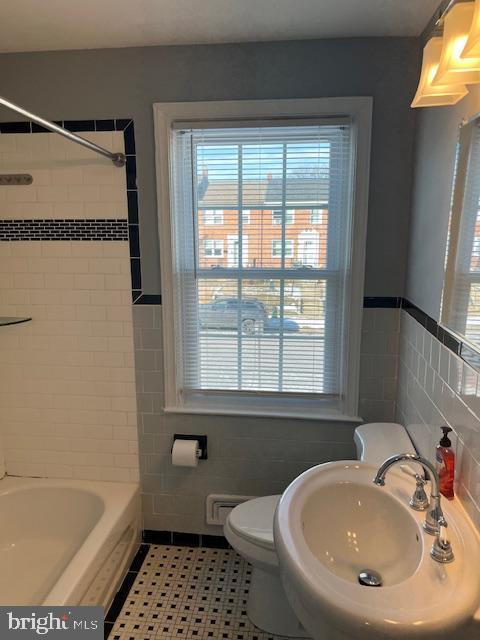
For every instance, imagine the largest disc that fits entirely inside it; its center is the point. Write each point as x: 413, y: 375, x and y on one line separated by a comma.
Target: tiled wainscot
x: 247, y: 456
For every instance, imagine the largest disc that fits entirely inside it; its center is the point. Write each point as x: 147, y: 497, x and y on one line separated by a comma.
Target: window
x: 213, y: 216
x: 277, y: 216
x: 461, y: 293
x: 274, y: 330
x: 316, y: 216
x: 246, y: 216
x: 213, y: 248
x: 277, y: 249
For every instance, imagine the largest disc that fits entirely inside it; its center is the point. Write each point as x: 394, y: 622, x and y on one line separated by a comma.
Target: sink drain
x: 370, y: 578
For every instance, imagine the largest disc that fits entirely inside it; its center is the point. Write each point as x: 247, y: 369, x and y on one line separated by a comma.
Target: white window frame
x: 359, y: 110
x: 213, y: 243
x: 290, y: 243
x: 212, y: 217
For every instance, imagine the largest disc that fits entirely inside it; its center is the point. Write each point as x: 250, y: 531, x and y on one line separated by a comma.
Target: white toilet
x: 249, y: 529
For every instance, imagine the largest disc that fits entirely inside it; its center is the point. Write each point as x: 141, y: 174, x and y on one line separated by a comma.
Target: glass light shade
x: 442, y: 95
x: 472, y: 48
x: 453, y: 68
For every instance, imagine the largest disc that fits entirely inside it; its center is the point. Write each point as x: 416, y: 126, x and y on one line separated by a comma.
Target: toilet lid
x: 253, y: 520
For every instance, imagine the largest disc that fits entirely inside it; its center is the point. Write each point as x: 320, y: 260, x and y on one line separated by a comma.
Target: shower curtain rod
x: 118, y: 159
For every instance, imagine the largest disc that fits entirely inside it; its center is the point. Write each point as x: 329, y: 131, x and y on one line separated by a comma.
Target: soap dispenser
x: 445, y: 464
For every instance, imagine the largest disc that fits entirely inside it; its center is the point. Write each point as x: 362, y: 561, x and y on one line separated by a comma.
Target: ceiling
x: 44, y: 25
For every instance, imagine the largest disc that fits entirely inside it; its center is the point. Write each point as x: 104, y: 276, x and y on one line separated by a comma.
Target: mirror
x: 461, y: 293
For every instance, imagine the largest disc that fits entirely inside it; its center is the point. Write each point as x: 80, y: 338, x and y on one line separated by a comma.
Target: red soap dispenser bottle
x: 445, y: 459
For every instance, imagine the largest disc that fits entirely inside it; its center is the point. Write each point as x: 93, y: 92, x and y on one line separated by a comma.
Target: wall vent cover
x: 218, y: 506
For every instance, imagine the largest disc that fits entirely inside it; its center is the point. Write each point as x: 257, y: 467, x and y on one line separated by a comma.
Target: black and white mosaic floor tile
x: 191, y: 593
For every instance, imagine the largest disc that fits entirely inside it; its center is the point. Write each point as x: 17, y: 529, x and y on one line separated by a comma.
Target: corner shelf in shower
x: 6, y: 321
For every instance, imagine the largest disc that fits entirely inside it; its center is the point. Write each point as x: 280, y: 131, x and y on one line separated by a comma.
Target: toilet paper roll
x: 184, y: 453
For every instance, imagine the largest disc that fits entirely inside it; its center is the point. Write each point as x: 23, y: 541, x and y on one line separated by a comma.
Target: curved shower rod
x: 118, y: 159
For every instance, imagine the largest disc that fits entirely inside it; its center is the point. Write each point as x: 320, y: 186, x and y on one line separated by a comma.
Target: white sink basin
x: 332, y: 523
x: 365, y: 529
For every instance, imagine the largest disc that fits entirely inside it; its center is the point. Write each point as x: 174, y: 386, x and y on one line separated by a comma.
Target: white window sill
x: 319, y: 415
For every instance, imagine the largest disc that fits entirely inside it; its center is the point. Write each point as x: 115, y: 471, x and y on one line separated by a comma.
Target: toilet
x: 249, y: 529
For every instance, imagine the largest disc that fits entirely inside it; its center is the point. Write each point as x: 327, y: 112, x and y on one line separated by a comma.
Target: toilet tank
x: 377, y: 441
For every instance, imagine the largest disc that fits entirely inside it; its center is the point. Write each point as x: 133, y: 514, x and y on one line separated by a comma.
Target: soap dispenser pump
x: 445, y: 463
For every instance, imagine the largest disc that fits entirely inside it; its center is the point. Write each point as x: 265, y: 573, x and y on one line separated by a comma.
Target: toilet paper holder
x: 202, y: 443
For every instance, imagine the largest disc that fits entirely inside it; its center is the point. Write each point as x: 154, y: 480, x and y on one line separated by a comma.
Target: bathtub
x: 65, y: 542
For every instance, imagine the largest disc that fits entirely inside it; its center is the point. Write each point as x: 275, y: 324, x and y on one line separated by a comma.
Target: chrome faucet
x: 435, y: 523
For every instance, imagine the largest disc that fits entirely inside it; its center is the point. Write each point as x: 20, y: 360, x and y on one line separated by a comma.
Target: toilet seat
x: 253, y: 521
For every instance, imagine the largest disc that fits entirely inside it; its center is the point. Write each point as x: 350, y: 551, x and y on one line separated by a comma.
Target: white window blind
x: 268, y: 315
x: 461, y: 300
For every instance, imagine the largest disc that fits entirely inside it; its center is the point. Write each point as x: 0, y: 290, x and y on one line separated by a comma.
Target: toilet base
x: 268, y: 607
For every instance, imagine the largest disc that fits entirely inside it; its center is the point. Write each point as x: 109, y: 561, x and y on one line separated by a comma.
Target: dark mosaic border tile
x: 63, y: 230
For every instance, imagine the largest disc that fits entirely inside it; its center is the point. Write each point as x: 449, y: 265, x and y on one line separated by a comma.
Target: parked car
x: 223, y: 314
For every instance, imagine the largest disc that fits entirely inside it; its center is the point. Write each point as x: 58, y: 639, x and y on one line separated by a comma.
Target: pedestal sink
x: 336, y: 533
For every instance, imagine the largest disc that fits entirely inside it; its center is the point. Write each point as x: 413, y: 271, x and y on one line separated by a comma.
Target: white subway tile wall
x: 69, y: 181
x: 379, y: 364
x: 67, y: 378
x: 436, y: 388
x: 247, y: 456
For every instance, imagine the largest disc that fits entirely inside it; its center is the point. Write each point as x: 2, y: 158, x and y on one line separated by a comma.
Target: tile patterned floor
x: 192, y: 593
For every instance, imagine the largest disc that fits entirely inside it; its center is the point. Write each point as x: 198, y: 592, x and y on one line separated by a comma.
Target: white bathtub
x: 65, y: 541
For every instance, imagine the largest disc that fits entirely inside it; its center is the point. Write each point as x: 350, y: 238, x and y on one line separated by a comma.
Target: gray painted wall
x: 436, y: 137
x: 126, y: 82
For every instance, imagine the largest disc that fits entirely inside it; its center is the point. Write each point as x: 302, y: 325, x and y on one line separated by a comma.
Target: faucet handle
x: 442, y: 549
x: 419, y: 501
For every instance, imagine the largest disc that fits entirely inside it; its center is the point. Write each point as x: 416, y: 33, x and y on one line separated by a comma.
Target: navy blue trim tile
x: 122, y: 123
x: 129, y: 139
x: 79, y: 125
x: 104, y: 125
x: 381, y: 302
x: 136, y: 294
x: 134, y: 240
x: 36, y: 128
x: 132, y: 202
x: 135, y: 273
x: 157, y: 537
x: 431, y: 326
x: 214, y: 542
x: 419, y: 315
x: 185, y: 539
x: 147, y: 298
x: 120, y: 597
x: 131, y: 170
x: 15, y: 127
x: 139, y: 557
